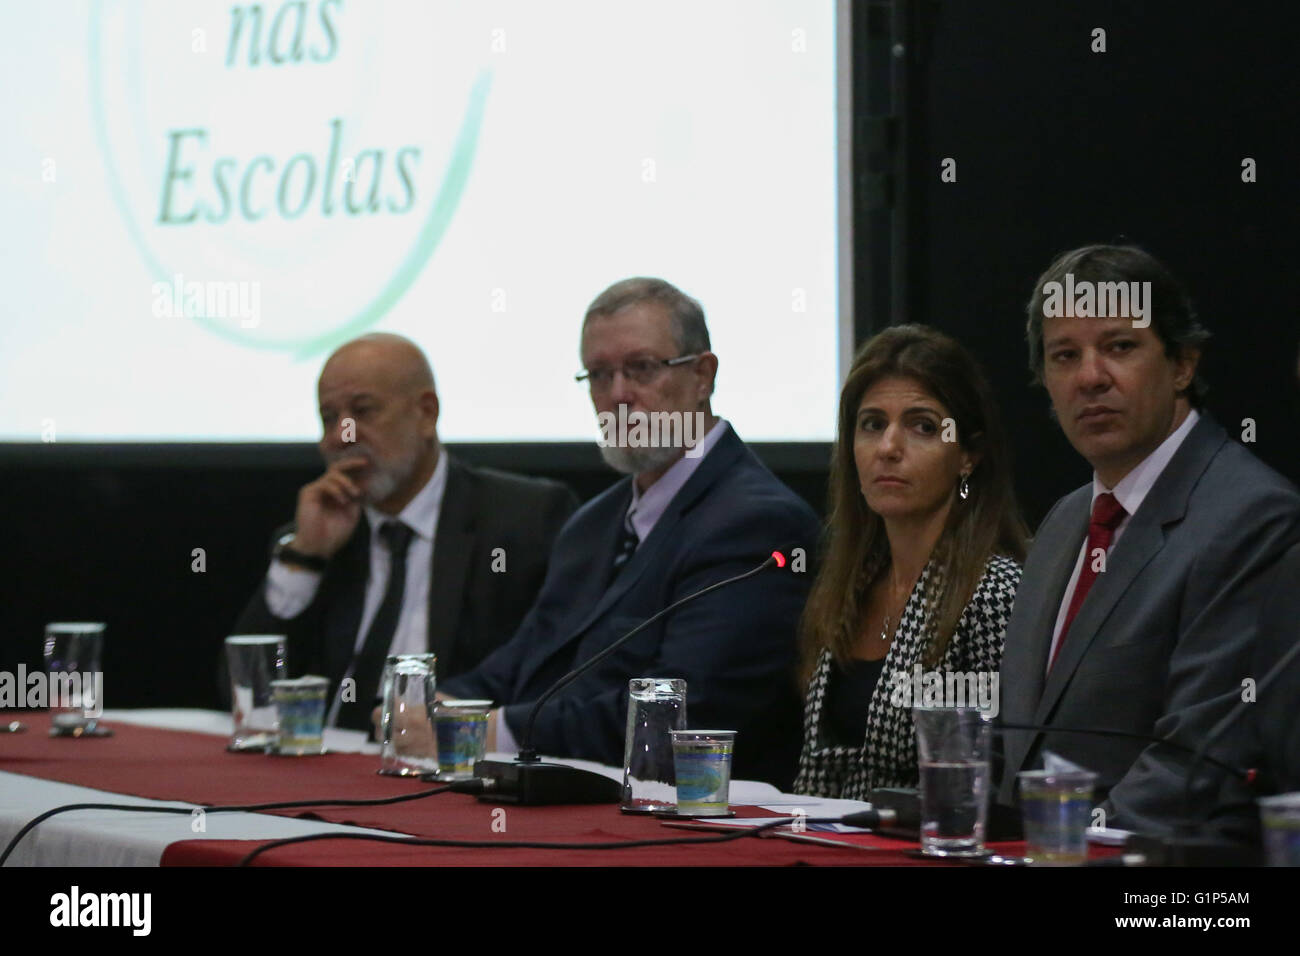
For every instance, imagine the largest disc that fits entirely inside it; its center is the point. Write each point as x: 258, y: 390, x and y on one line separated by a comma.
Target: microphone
x: 1222, y: 727
x: 528, y: 780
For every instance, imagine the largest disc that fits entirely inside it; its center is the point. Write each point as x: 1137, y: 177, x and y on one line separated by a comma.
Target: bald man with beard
x: 398, y: 547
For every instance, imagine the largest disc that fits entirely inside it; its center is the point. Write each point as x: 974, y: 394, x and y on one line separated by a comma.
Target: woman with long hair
x: 920, y: 559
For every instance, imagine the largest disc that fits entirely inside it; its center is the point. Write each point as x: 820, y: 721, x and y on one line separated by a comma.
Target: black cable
x: 527, y: 752
x: 1127, y: 734
x: 530, y: 845
x: 250, y: 808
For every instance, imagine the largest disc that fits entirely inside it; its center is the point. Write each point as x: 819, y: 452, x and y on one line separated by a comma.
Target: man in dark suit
x: 681, y: 521
x: 1273, y: 718
x: 1278, y: 705
x: 398, y: 547
x: 1138, y: 606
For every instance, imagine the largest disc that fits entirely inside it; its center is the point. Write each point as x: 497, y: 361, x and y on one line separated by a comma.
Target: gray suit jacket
x: 1274, y: 714
x: 1162, y: 642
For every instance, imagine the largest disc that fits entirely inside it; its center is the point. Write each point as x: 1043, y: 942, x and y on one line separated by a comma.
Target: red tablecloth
x: 195, y: 768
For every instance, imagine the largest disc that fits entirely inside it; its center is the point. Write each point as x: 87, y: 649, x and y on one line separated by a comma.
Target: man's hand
x: 328, y: 510
x: 412, y: 733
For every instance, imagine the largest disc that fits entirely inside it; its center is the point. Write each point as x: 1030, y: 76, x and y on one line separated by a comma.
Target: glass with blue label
x: 300, y: 715
x: 461, y: 727
x: 702, y: 762
x: 1056, y: 806
x: 1280, y: 816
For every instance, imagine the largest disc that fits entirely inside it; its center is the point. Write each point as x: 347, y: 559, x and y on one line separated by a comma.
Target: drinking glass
x: 702, y: 761
x: 953, y: 754
x: 76, y: 681
x: 1055, y: 807
x: 655, y: 706
x: 409, y: 747
x: 255, y: 660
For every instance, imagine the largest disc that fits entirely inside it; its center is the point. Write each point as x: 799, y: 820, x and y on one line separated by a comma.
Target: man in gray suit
x: 1138, y: 606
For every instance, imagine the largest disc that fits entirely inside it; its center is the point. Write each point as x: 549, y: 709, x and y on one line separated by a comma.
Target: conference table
x: 177, y: 759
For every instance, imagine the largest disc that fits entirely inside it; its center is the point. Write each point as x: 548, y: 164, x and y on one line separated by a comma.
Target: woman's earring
x: 964, y: 488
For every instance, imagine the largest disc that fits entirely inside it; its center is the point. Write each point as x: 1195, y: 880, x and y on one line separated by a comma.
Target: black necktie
x: 627, y: 542
x: 370, y: 662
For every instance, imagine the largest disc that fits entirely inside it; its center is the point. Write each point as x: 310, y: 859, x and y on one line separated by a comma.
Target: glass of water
x: 410, y: 685
x: 953, y: 749
x: 76, y: 681
x: 255, y: 660
x: 655, y: 706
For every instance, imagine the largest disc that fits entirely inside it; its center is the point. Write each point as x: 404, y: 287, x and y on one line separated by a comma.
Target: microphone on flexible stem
x: 1186, y: 847
x: 529, y: 780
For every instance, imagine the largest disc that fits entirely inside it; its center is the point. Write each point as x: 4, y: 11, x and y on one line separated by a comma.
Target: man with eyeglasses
x: 685, y: 518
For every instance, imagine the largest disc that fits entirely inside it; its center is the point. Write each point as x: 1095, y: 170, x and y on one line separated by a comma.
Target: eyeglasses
x: 642, y: 371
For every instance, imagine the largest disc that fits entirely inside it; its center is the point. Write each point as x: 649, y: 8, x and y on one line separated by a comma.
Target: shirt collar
x: 421, y: 512
x: 648, y: 506
x: 1132, y: 489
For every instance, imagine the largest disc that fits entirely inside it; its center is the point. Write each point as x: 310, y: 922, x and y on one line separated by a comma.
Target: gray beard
x: 636, y: 461
x: 385, y: 477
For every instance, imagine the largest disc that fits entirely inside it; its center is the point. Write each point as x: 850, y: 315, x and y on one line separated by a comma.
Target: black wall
x: 1057, y: 147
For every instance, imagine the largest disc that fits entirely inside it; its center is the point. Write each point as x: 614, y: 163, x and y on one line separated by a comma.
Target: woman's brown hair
x: 855, y: 548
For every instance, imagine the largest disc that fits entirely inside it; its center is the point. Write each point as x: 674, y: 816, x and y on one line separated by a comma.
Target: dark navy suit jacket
x: 735, y: 648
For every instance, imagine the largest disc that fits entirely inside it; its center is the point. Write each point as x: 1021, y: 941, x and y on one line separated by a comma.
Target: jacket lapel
x: 1165, y: 504
x: 586, y: 579
x: 1057, y: 580
x: 1041, y: 602
x: 453, y: 549
x: 648, y: 554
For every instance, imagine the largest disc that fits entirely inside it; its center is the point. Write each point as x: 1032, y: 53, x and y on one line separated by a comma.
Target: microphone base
x: 1192, y: 851
x: 540, y: 784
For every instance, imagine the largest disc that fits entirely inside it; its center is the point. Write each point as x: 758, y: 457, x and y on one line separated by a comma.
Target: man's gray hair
x: 689, y: 331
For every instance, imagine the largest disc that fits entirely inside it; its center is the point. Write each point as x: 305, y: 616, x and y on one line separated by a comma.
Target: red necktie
x: 1107, y: 513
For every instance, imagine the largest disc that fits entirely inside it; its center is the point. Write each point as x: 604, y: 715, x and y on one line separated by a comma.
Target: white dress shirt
x: 1130, y: 492
x: 290, y: 589
x: 643, y: 513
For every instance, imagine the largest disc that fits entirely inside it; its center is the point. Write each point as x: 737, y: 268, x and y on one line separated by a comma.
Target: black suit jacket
x: 472, y: 609
x: 735, y: 648
x: 1162, y: 642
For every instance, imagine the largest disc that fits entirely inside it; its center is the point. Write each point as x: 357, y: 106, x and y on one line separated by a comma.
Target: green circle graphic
x: 430, y: 235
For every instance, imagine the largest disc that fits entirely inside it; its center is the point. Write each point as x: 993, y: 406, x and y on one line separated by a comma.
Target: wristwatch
x: 288, y: 555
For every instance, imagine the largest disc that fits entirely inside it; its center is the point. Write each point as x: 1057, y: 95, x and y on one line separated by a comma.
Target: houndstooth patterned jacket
x: 887, y: 757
